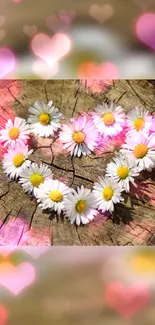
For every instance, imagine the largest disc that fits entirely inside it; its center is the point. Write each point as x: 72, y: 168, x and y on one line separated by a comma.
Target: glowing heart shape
x: 91, y: 71
x: 17, y: 278
x: 50, y: 49
x: 145, y: 29
x: 3, y: 315
x: 30, y: 30
x: 44, y: 70
x: 7, y: 61
x: 126, y: 300
x: 67, y: 16
x: 101, y: 13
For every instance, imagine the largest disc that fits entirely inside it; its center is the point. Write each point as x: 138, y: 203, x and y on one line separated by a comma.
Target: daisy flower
x: 107, y: 192
x: 33, y: 176
x: 16, y: 159
x: 123, y: 170
x: 51, y: 195
x: 109, y: 120
x: 138, y: 119
x: 142, y: 148
x: 79, y: 206
x: 44, y: 119
x: 15, y: 132
x: 79, y: 137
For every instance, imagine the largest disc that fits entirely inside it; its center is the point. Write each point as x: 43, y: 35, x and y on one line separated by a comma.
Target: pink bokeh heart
x: 17, y: 278
x: 50, y: 49
x: 67, y: 16
x: 145, y: 29
x: 101, y: 13
x: 126, y: 300
x: 61, y: 21
x: 30, y: 30
x: 3, y: 315
x: 104, y: 72
x: 7, y: 61
x: 44, y: 70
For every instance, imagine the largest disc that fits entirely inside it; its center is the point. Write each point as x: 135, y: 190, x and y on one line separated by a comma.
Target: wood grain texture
x: 22, y: 222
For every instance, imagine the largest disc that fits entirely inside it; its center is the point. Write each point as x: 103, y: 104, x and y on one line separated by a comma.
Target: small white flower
x: 51, y: 195
x: 15, y: 132
x: 79, y: 137
x: 109, y: 120
x: 33, y: 176
x: 138, y: 119
x: 44, y: 119
x: 123, y: 170
x: 79, y: 206
x: 16, y: 159
x: 107, y: 192
x: 142, y: 148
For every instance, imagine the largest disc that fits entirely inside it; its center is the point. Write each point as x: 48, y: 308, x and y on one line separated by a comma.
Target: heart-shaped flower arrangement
x: 80, y: 137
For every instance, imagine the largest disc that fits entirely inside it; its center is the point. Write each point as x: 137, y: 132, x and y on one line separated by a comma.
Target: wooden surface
x: 22, y: 222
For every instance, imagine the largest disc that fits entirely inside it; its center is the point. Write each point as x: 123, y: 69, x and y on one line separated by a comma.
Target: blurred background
x: 77, y: 39
x: 66, y: 286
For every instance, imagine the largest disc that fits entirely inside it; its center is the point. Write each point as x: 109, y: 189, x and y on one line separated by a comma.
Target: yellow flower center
x: 108, y: 118
x: 36, y: 180
x: 81, y: 206
x: 143, y: 262
x: 13, y: 133
x: 108, y: 193
x: 140, y: 151
x: 78, y: 137
x: 139, y: 123
x: 44, y: 119
x: 123, y: 172
x: 56, y: 196
x: 18, y: 160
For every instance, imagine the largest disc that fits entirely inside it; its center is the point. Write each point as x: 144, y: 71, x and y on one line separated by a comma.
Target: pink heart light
x: 17, y: 278
x: 7, y: 61
x: 126, y: 300
x: 3, y: 315
x: 44, y: 70
x: 104, y: 72
x: 50, y: 49
x: 145, y: 29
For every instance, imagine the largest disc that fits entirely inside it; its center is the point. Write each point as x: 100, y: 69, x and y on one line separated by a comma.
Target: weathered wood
x: 22, y: 222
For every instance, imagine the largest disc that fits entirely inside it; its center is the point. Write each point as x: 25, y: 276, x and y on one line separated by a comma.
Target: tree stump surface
x: 22, y: 222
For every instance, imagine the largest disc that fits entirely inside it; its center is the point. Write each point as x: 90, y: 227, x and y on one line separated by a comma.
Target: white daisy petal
x: 107, y: 192
x: 122, y: 170
x: 141, y: 148
x: 51, y: 195
x: 44, y: 120
x: 31, y: 177
x: 15, y: 159
x: 109, y: 120
x: 78, y: 206
x: 79, y: 137
x: 16, y: 132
